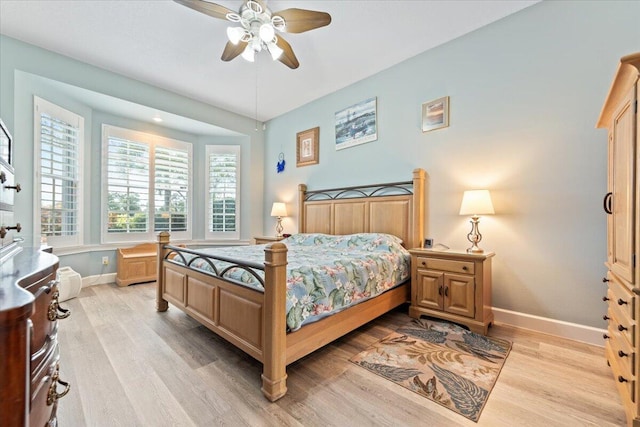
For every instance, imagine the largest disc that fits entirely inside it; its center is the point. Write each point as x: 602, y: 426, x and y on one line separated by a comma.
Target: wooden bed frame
x: 255, y: 321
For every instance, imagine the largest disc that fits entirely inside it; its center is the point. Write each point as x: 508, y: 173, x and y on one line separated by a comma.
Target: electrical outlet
x: 105, y: 260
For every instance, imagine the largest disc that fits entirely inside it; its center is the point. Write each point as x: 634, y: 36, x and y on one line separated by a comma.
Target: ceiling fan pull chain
x: 256, y: 96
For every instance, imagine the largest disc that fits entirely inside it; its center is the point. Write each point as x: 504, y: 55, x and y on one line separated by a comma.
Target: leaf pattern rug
x: 441, y: 361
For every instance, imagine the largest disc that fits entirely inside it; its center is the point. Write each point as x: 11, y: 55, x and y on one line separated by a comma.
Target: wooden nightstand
x: 261, y: 240
x: 452, y: 285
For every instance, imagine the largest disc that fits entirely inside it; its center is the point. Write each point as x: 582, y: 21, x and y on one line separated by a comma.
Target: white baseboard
x: 98, y: 279
x: 572, y: 331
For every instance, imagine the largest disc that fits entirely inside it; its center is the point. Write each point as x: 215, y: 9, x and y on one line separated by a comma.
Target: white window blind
x: 172, y: 189
x: 127, y: 186
x: 58, y: 169
x: 147, y: 186
x: 223, y: 183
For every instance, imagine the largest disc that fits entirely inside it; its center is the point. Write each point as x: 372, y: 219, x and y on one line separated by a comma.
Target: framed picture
x: 435, y: 114
x: 307, y: 147
x: 357, y: 124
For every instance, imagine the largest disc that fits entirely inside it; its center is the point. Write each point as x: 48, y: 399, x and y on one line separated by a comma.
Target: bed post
x: 161, y: 303
x: 274, y: 374
x: 419, y: 178
x: 302, y: 189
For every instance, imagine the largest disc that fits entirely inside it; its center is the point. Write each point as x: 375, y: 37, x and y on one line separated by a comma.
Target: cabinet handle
x: 3, y: 177
x: 622, y: 353
x: 605, y: 317
x: 54, y: 308
x: 446, y: 291
x: 440, y: 291
x: 605, y: 280
x: 13, y: 187
x: 605, y: 336
x: 605, y: 299
x: 4, y: 230
x: 53, y: 395
x: 607, y: 203
x: 621, y: 301
x: 622, y: 328
x: 622, y: 379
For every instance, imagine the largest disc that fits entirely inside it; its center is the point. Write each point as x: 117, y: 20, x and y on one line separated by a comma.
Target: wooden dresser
x: 620, y: 116
x: 452, y: 285
x: 29, y: 355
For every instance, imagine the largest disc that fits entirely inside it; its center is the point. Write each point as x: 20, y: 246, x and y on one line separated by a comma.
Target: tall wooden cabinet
x: 622, y: 204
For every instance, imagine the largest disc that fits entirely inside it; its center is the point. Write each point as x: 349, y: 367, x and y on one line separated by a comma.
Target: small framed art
x: 435, y: 114
x: 307, y: 147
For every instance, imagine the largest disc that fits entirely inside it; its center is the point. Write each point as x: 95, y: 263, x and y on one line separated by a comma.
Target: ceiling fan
x: 258, y: 26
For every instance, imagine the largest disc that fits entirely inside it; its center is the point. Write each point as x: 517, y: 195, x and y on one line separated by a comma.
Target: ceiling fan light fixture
x: 267, y: 32
x: 274, y: 50
x: 249, y: 54
x: 235, y: 34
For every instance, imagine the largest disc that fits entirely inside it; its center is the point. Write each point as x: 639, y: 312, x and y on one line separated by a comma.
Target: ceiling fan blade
x: 288, y: 58
x: 301, y: 20
x: 207, y: 8
x: 232, y: 50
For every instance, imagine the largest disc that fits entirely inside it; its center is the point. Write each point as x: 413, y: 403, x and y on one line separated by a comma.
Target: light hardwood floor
x: 131, y: 366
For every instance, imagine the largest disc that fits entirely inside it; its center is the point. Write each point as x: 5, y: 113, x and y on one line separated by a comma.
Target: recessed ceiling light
x: 157, y: 119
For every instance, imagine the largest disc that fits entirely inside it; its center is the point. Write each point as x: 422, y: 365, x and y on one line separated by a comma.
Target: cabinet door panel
x: 459, y: 297
x: 621, y: 176
x: 430, y: 289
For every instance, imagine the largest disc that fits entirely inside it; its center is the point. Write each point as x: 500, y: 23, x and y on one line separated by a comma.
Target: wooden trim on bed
x: 255, y: 321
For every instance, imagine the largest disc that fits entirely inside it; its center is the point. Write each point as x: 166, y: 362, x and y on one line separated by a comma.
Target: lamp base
x: 474, y: 236
x: 279, y: 228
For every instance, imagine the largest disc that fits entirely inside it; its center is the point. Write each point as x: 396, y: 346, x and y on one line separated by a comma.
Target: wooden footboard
x: 253, y: 321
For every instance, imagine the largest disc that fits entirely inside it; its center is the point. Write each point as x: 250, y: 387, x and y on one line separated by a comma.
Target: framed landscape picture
x: 356, y: 125
x: 435, y: 114
x: 307, y: 147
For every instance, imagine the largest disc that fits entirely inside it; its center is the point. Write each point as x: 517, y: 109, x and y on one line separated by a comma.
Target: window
x: 147, y: 186
x: 223, y: 195
x: 58, y: 174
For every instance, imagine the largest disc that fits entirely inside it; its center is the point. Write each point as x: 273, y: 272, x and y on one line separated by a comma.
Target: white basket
x: 69, y: 283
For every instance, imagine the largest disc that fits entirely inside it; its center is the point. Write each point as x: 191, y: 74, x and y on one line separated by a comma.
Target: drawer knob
x: 424, y: 263
x: 465, y: 268
x: 605, y: 299
x: 605, y: 336
x: 605, y: 317
x: 622, y: 353
x: 622, y: 379
x: 622, y: 328
x: 621, y: 301
x: 605, y: 280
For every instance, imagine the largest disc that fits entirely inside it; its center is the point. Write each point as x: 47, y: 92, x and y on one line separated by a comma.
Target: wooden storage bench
x: 137, y: 264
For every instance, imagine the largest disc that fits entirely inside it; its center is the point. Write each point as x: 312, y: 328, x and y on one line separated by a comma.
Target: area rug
x: 441, y: 361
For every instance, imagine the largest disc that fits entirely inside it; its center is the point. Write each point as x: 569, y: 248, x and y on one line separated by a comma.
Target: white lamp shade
x: 476, y: 202
x: 266, y: 32
x: 249, y: 54
x: 279, y: 209
x: 235, y: 34
x: 274, y: 50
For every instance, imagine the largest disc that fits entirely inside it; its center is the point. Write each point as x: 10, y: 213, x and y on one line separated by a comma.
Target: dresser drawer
x: 620, y: 322
x: 621, y: 296
x: 464, y: 267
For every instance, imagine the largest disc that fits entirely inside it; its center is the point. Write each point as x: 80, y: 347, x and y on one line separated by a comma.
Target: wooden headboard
x: 396, y: 208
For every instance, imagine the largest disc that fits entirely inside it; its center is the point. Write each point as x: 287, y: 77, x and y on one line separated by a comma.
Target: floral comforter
x: 325, y: 273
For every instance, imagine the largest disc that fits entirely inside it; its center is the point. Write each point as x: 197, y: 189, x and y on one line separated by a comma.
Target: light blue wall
x: 26, y: 70
x: 525, y: 94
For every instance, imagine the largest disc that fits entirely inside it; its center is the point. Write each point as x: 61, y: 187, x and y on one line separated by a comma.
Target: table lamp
x: 279, y: 210
x: 476, y: 203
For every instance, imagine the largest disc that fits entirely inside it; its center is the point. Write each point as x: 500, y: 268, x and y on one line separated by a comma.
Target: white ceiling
x: 173, y: 47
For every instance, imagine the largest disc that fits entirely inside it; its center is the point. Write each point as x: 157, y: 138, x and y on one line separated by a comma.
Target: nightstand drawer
x: 463, y: 267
